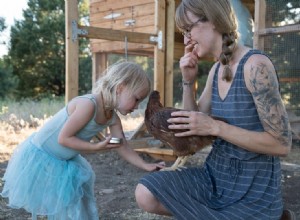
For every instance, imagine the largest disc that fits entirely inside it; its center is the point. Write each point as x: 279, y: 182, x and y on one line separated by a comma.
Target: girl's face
x: 127, y: 100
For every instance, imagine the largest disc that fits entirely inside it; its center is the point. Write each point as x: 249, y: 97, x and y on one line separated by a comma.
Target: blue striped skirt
x: 224, y: 188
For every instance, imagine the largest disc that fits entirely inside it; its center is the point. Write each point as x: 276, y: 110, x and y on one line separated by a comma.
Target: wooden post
x: 99, y: 65
x: 169, y: 54
x: 159, y: 54
x: 72, y: 63
x: 259, y: 23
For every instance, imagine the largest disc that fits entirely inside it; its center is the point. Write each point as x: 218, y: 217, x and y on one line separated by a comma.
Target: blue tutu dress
x: 48, y: 179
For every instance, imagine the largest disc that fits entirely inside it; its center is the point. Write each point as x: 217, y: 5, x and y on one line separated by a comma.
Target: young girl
x: 241, y: 176
x: 47, y: 175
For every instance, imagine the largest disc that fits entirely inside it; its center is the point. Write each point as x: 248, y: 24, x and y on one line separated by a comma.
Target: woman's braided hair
x: 228, y: 46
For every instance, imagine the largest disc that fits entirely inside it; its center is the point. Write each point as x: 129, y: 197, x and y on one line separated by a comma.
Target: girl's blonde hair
x: 221, y: 15
x: 124, y: 73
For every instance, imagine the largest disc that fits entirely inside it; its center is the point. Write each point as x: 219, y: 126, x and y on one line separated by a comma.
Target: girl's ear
x: 120, y: 88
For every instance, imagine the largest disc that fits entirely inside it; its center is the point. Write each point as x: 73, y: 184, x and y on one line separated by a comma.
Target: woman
x: 241, y: 176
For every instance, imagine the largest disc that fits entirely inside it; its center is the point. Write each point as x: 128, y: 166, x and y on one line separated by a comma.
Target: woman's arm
x: 262, y: 82
x: 189, y: 70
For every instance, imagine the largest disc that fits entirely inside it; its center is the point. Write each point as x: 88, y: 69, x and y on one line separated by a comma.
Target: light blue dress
x: 46, y: 178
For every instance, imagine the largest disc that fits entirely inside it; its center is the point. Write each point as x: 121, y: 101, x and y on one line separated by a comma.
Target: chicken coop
x: 147, y: 28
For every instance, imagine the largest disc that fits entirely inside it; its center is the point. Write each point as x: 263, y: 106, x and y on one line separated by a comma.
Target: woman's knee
x: 145, y: 199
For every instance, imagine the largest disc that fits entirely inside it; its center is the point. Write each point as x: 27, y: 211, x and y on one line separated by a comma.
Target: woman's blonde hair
x: 221, y: 15
x: 128, y: 74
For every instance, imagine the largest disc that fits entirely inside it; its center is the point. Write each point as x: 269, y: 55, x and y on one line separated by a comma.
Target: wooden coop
x: 147, y: 28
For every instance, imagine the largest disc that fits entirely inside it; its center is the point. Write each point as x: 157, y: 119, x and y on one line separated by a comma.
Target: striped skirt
x: 224, y: 188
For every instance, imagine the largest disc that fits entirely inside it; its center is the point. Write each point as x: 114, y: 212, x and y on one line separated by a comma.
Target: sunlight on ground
x: 15, y: 131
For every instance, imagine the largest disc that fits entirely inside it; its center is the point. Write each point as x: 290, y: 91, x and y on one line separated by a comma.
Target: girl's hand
x: 189, y: 63
x: 154, y: 166
x: 105, y: 145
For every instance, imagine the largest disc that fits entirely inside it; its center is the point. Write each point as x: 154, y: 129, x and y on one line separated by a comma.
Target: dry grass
x: 19, y: 120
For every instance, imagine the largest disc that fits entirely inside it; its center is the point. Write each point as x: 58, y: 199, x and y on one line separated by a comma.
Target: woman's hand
x: 195, y: 123
x: 189, y: 63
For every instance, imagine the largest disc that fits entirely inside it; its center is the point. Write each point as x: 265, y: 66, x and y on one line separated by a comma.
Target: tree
x: 284, y: 49
x: 37, y: 49
x: 2, y: 24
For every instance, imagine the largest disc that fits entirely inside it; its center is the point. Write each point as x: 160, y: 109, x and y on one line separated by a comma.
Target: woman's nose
x: 186, y: 40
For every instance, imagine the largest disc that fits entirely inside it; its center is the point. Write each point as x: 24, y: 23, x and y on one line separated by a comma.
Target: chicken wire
x: 284, y: 49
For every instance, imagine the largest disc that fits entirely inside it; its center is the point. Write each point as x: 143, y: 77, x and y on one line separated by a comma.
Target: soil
x: 116, y: 181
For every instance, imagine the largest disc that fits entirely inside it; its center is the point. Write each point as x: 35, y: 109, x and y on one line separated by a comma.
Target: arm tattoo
x: 272, y: 113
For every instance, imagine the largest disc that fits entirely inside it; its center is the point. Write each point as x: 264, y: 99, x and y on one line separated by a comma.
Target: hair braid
x: 228, y: 46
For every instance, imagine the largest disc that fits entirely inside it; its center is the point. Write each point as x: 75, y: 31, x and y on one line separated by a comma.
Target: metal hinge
x: 76, y: 31
x: 158, y: 39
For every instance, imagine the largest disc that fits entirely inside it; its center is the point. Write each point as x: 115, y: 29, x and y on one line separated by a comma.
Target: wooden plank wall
x: 142, y: 11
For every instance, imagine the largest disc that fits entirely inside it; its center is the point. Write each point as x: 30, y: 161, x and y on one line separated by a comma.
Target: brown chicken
x: 156, y: 116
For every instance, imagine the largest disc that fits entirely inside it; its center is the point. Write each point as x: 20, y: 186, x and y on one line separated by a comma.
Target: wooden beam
x: 158, y: 153
x: 104, y: 5
x: 169, y: 54
x: 72, y: 63
x: 116, y: 35
x: 136, y: 11
x: 159, y: 53
x: 279, y: 30
x: 259, y: 23
x: 99, y: 65
x: 144, y: 143
x: 119, y: 24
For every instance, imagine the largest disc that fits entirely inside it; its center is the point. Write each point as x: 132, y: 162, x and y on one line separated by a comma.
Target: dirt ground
x: 116, y: 181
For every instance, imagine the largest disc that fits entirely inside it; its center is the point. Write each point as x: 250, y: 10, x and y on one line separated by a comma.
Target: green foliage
x: 2, y: 24
x: 284, y: 49
x: 8, y: 82
x: 37, y: 50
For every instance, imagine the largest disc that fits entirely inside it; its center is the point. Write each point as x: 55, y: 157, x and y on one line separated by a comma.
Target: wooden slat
x: 145, y: 30
x: 159, y: 54
x: 259, y: 23
x: 72, y: 60
x: 289, y: 79
x: 99, y: 65
x: 108, y: 5
x: 279, y: 30
x: 160, y: 154
x: 119, y: 24
x: 170, y: 29
x: 126, y: 13
x: 116, y: 35
x: 110, y: 47
x: 142, y: 143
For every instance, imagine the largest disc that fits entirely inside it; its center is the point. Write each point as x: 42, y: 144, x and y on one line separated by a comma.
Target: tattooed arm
x: 262, y: 82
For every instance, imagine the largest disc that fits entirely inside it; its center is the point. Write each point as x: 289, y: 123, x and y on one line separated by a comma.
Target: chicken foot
x: 178, y: 164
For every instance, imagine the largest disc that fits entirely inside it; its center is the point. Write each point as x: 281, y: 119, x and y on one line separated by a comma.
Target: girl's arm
x: 80, y: 111
x: 128, y: 153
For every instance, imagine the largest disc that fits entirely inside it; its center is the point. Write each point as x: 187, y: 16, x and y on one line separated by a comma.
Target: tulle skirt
x: 45, y: 185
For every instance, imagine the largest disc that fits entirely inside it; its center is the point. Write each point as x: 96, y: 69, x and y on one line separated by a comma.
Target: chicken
x: 156, y: 117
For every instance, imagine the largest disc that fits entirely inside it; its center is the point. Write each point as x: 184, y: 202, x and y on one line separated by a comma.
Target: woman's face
x: 203, y: 35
